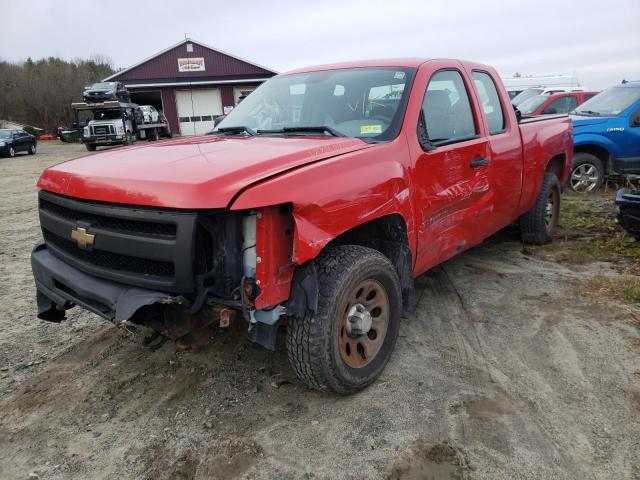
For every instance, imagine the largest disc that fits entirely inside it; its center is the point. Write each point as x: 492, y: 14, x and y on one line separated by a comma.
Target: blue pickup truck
x: 606, y: 133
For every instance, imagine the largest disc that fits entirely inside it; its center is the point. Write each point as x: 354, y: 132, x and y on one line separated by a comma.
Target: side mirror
x: 423, y: 134
x: 549, y: 111
x: 518, y: 113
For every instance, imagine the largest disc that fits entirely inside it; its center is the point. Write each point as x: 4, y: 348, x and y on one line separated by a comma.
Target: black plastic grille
x: 110, y: 260
x: 131, y: 227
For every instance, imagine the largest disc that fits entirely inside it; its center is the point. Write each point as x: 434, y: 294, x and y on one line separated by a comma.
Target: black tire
x: 90, y: 146
x: 152, y: 134
x: 586, y: 168
x: 314, y: 342
x: 32, y: 149
x: 539, y: 224
x: 11, y: 151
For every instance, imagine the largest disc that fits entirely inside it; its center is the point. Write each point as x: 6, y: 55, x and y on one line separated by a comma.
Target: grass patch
x: 589, y: 232
x: 626, y: 289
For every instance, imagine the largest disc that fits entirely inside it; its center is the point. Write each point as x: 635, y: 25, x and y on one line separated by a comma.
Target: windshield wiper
x: 320, y: 128
x: 237, y: 129
x: 588, y: 113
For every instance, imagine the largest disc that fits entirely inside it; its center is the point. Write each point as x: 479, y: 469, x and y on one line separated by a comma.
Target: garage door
x: 197, y: 110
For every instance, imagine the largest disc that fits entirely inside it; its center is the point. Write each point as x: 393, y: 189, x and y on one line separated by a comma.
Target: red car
x: 556, y: 103
x: 313, y: 205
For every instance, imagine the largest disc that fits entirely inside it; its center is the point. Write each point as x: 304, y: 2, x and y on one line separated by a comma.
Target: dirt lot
x: 518, y: 364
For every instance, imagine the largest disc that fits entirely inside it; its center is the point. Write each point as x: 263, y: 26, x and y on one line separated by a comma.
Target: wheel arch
x: 386, y: 234
x: 597, y: 150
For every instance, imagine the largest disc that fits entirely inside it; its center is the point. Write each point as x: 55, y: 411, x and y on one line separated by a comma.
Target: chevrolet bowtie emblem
x: 81, y: 237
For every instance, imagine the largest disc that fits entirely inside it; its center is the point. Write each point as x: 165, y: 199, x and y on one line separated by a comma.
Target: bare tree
x: 39, y: 93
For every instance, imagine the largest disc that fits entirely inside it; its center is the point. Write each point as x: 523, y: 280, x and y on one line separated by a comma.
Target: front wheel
x: 90, y: 147
x: 32, y: 149
x: 539, y: 224
x: 128, y: 139
x: 587, y: 173
x: 347, y: 342
x: 12, y: 152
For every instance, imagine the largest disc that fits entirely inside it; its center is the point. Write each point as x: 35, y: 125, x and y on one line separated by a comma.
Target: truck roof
x: 383, y: 62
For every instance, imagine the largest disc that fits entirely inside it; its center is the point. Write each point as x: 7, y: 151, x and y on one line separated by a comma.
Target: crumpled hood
x: 582, y: 121
x: 194, y: 172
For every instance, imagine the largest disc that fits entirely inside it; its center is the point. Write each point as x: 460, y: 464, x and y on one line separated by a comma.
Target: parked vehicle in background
x: 629, y: 206
x: 556, y: 103
x: 606, y: 137
x: 104, y: 91
x: 149, y: 114
x: 116, y: 123
x: 532, y: 92
x: 313, y: 204
x: 13, y: 141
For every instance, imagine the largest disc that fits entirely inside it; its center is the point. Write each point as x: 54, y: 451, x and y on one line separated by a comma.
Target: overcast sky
x: 596, y: 40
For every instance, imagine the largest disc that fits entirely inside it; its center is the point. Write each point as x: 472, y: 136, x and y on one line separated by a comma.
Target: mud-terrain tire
x: 327, y: 349
x: 90, y: 147
x: 539, y: 224
x: 587, y: 173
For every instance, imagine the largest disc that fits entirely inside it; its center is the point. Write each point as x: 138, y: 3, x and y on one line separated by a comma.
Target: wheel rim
x: 363, y: 324
x: 33, y: 149
x: 584, y: 178
x: 12, y: 152
x: 551, y: 210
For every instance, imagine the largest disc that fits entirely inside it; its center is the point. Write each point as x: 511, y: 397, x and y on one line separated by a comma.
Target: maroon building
x: 192, y: 84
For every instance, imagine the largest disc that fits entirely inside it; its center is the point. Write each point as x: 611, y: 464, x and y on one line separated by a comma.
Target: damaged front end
x: 629, y: 216
x: 178, y: 273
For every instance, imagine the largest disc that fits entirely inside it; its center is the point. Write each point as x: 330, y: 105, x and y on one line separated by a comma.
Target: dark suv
x: 102, y: 91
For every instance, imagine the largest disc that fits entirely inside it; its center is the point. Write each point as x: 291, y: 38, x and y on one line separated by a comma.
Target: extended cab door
x: 505, y: 148
x: 452, y: 195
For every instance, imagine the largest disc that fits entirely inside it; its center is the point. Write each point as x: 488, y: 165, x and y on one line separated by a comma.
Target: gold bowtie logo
x: 81, y: 237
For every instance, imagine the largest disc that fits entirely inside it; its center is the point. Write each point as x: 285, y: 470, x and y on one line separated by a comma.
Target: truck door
x: 453, y: 201
x: 505, y: 149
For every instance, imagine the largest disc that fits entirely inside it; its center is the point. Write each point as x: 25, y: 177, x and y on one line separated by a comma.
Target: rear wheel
x: 32, y: 149
x: 347, y: 342
x: 128, y: 138
x: 12, y: 151
x: 539, y: 224
x: 90, y: 146
x: 152, y: 134
x: 587, y: 173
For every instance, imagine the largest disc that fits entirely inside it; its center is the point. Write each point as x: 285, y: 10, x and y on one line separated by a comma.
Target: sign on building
x: 195, y: 64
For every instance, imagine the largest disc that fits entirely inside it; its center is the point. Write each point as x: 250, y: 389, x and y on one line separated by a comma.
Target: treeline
x: 39, y: 93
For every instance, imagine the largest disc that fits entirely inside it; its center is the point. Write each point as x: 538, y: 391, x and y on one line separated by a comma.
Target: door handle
x: 479, y: 162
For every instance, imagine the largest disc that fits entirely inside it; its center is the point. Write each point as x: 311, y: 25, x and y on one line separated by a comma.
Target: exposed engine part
x: 249, y: 245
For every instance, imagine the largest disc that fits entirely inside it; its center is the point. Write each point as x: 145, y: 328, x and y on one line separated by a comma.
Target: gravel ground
x: 508, y: 370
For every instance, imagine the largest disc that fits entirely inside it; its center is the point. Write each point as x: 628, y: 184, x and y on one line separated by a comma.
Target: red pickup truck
x: 313, y: 205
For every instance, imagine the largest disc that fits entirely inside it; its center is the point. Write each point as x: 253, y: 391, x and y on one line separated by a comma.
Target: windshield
x: 102, y: 86
x: 144, y: 108
x: 531, y: 104
x: 5, y: 133
x: 357, y: 102
x: 106, y: 114
x: 525, y: 94
x: 610, y: 103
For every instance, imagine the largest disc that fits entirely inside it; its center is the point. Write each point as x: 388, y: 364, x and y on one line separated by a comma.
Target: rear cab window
x: 490, y: 102
x: 447, y: 109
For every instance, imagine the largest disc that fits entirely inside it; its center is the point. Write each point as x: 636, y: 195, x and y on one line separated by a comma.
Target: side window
x: 588, y: 97
x: 447, y: 110
x: 490, y: 100
x: 634, y: 121
x: 561, y: 105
